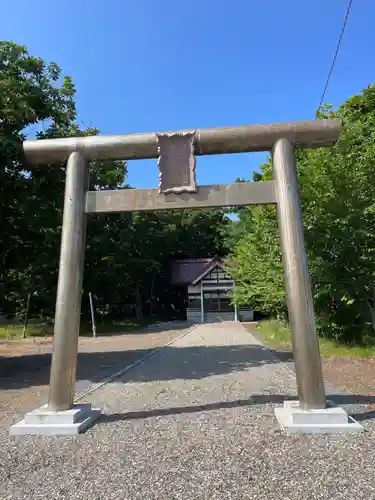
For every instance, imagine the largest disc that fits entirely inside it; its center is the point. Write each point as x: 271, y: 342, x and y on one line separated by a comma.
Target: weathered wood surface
x: 226, y: 195
x: 222, y: 140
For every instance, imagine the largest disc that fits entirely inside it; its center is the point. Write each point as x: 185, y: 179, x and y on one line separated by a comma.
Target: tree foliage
x: 127, y: 255
x: 338, y: 202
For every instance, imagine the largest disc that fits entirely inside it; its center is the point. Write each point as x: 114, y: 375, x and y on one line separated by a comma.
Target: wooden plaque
x: 176, y: 163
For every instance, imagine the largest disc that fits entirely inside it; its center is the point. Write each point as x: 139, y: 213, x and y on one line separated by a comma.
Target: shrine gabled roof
x: 191, y: 271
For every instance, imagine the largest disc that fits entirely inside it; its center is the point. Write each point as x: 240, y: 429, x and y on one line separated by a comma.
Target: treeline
x: 127, y: 255
x: 338, y: 198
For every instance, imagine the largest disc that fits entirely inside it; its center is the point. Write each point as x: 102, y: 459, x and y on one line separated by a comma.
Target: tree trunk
x: 373, y: 318
x: 138, y: 302
x: 152, y: 294
x: 371, y: 306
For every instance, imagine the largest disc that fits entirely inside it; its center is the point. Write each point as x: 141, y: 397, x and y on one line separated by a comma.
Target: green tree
x: 127, y: 255
x: 338, y: 209
x: 31, y: 92
x: 34, y: 96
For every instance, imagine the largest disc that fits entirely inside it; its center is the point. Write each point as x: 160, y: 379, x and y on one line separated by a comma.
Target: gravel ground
x: 25, y: 365
x: 351, y: 375
x: 195, y: 421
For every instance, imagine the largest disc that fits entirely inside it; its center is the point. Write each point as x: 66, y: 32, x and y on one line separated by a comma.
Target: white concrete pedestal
x: 45, y: 422
x: 331, y: 420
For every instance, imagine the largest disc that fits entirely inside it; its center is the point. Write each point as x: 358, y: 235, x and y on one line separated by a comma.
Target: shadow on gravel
x: 366, y: 415
x: 166, y: 327
x: 187, y: 363
x: 257, y: 399
x: 178, y: 363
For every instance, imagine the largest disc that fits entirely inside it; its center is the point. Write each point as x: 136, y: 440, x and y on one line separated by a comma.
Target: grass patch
x: 14, y: 331
x: 106, y: 328
x: 277, y: 334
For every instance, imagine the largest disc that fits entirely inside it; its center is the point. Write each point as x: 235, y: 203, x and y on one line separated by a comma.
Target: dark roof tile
x: 186, y: 271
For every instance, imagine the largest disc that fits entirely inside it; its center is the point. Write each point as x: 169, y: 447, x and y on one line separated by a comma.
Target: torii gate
x: 176, y: 152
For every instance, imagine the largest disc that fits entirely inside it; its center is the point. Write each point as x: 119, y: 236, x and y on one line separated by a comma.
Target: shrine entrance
x: 176, y: 153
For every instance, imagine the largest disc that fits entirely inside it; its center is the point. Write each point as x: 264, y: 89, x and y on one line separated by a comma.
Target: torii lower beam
x: 224, y: 195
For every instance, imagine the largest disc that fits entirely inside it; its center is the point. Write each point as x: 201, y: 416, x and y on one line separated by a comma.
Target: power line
x: 336, y: 53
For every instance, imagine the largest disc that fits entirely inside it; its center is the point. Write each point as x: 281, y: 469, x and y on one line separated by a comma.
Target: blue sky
x: 162, y: 65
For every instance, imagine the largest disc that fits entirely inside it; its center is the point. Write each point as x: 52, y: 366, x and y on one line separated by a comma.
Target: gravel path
x: 195, y: 421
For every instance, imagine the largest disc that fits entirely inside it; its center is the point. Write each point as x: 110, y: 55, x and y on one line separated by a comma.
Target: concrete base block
x: 46, y: 422
x: 330, y: 420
